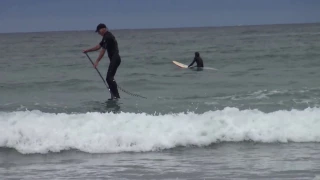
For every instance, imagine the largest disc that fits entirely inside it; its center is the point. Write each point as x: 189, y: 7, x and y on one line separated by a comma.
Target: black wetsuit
x: 110, y: 43
x: 198, y: 60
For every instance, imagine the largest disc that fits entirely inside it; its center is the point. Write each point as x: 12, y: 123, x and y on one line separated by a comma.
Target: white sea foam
x: 38, y: 132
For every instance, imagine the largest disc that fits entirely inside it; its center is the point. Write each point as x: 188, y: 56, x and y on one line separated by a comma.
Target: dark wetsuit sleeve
x: 194, y: 60
x: 103, y: 43
x: 107, y: 41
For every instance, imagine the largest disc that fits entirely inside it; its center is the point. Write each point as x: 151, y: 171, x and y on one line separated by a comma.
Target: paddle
x: 100, y: 75
x: 132, y: 94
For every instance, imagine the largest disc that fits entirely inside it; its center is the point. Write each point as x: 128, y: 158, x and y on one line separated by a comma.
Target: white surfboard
x: 186, y: 66
x: 180, y: 64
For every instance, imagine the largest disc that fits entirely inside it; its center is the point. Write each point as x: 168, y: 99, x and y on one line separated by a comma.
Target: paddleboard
x: 181, y: 65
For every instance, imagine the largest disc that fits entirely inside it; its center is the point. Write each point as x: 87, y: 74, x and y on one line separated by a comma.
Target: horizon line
x: 162, y: 28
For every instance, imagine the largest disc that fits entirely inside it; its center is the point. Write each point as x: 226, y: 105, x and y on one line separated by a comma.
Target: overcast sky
x: 58, y: 15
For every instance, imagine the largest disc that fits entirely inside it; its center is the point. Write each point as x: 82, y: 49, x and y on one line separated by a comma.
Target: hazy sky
x: 52, y: 15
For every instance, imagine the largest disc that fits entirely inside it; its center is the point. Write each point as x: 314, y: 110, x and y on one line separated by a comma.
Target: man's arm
x: 101, y: 54
x: 97, y: 47
x: 194, y: 60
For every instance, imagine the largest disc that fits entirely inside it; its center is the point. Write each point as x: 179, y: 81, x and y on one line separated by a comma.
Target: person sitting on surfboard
x: 197, y: 59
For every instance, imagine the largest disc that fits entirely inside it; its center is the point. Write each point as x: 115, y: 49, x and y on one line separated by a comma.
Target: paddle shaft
x: 99, y: 74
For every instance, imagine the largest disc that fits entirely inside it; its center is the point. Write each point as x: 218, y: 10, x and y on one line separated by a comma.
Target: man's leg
x: 113, y: 66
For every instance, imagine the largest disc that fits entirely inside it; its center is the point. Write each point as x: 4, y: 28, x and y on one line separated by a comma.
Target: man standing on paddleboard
x: 110, y: 44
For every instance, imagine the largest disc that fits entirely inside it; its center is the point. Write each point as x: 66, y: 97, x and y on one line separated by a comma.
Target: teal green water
x: 263, y: 67
x: 256, y: 117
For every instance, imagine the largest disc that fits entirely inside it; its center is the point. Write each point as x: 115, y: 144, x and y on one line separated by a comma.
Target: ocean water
x: 256, y: 117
